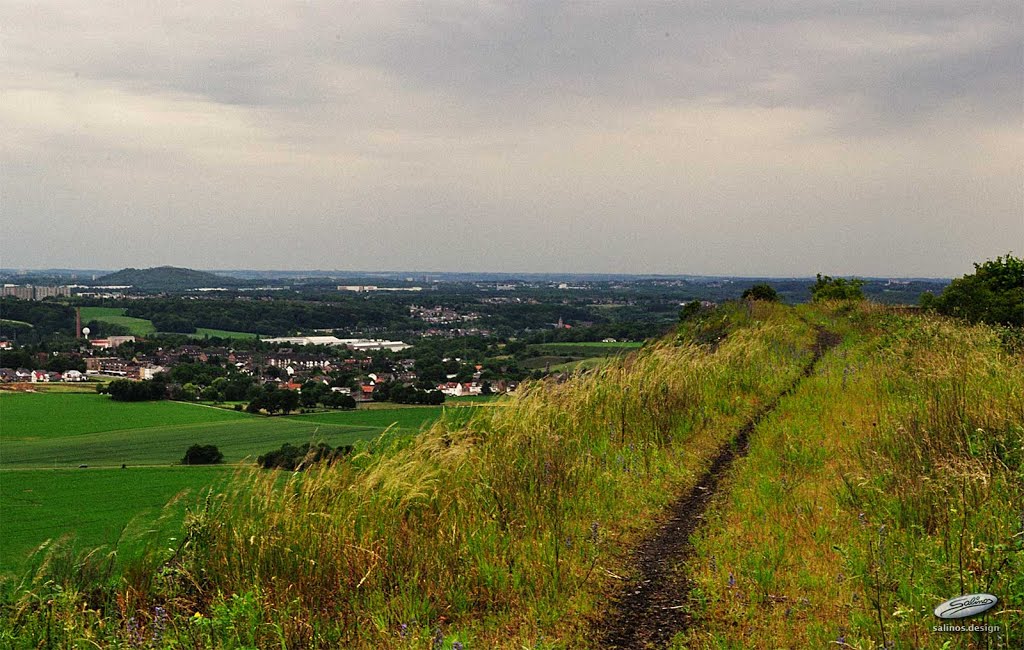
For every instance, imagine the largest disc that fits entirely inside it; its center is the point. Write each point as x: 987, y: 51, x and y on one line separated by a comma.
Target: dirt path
x: 650, y: 610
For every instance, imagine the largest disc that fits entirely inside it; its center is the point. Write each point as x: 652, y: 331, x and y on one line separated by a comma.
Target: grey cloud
x: 535, y: 61
x: 600, y: 136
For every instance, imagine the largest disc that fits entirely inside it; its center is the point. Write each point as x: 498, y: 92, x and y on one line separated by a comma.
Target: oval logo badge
x: 966, y: 606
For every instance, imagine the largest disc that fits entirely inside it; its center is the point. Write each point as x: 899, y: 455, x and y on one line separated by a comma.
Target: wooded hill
x: 165, y: 278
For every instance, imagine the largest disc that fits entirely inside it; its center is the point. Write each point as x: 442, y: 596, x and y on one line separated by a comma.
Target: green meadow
x: 46, y: 437
x: 84, y: 509
x: 68, y: 430
x: 115, y: 316
x: 145, y: 327
x: 568, y: 357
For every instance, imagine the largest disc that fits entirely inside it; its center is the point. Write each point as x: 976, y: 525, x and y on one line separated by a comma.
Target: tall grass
x: 497, y: 529
x: 889, y: 482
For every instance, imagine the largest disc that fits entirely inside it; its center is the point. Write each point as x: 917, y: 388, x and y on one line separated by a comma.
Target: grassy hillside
x: 886, y: 481
x: 489, y: 530
x: 890, y: 482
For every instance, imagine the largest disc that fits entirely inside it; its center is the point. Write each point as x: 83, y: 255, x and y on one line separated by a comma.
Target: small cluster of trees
x: 829, y: 288
x: 690, y: 310
x: 994, y: 294
x: 23, y: 358
x: 202, y: 455
x: 127, y: 390
x: 273, y: 400
x: 404, y: 394
x: 296, y: 458
x: 765, y: 292
x: 315, y: 392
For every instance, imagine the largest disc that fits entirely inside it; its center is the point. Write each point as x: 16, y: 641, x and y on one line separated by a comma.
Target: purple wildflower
x: 133, y: 632
x: 732, y: 579
x: 159, y: 623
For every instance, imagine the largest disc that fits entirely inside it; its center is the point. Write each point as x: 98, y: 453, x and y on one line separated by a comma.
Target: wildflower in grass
x: 133, y: 632
x: 438, y: 638
x: 862, y: 519
x: 732, y: 579
x: 403, y: 629
x: 159, y: 623
x: 457, y: 645
x: 593, y: 533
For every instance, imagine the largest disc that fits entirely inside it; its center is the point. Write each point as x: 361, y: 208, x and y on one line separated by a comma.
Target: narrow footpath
x: 650, y: 610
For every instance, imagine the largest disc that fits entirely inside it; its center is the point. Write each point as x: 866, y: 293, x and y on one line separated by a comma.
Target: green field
x: 567, y: 357
x: 68, y: 430
x: 65, y: 387
x: 93, y: 507
x: 36, y: 416
x: 144, y: 327
x: 583, y: 364
x: 115, y: 316
x: 45, y: 437
x: 402, y: 418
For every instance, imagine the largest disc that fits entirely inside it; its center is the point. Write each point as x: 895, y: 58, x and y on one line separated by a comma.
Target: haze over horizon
x: 744, y: 139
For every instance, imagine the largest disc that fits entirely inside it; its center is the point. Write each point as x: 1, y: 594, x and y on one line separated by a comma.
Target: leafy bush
x: 273, y: 400
x: 689, y: 310
x: 202, y: 455
x: 829, y: 288
x: 339, y: 401
x: 402, y: 394
x: 993, y: 294
x: 761, y: 292
x: 127, y: 390
x: 292, y: 458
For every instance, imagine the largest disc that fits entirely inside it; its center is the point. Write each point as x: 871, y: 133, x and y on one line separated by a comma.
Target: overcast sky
x: 741, y: 138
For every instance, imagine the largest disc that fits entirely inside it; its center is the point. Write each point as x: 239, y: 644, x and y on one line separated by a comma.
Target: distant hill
x: 165, y: 278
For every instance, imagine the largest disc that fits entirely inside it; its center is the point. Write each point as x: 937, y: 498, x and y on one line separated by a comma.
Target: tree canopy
x: 202, y: 455
x: 994, y: 294
x: 761, y: 291
x: 829, y: 288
